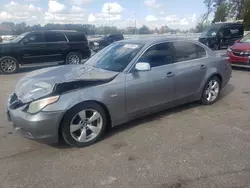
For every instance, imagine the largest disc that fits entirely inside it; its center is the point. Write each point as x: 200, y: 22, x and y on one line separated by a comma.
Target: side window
x: 226, y: 32
x: 185, y: 51
x: 34, y: 38
x: 236, y: 31
x: 55, y: 37
x: 201, y: 52
x: 75, y: 37
x: 159, y: 55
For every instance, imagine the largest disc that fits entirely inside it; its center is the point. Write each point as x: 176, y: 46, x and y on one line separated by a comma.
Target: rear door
x: 190, y: 68
x: 148, y: 89
x: 57, y: 46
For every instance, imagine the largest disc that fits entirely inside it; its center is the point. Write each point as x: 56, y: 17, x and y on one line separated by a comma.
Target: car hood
x: 7, y: 44
x: 241, y: 46
x: 44, y: 82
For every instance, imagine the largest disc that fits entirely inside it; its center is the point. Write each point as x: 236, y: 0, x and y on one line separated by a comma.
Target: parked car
x: 43, y: 46
x: 239, y: 53
x: 222, y: 35
x: 126, y: 80
x: 97, y: 44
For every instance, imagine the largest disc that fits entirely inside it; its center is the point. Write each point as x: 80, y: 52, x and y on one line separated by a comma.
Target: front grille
x: 241, y: 53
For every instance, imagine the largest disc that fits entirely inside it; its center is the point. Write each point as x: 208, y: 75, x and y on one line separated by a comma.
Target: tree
x: 221, y: 12
x: 209, y: 5
x: 144, y: 30
x: 201, y: 24
x: 246, y: 15
x: 237, y: 9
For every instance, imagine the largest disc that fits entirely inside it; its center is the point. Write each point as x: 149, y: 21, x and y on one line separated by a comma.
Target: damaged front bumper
x: 42, y: 126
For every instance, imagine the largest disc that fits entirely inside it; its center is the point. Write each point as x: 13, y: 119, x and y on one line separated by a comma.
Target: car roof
x: 152, y: 40
x: 52, y: 31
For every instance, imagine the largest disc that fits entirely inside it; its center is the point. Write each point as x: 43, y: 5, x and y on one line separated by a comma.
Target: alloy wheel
x: 212, y: 90
x: 86, y: 125
x: 8, y: 65
x: 74, y: 59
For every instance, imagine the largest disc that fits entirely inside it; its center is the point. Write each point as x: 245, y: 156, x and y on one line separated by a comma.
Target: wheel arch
x: 206, y: 80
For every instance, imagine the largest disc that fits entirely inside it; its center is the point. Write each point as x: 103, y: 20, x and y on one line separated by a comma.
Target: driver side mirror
x: 142, y: 66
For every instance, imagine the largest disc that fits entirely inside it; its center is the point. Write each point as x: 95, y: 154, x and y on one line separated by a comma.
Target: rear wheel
x: 211, y: 91
x: 9, y: 65
x: 73, y: 58
x: 84, y: 124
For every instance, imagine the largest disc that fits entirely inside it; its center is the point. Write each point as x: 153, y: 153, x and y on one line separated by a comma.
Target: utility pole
x: 109, y: 18
x: 135, y: 23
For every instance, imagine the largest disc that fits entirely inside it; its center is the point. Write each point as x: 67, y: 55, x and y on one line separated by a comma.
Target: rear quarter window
x: 55, y: 37
x: 186, y: 51
x: 76, y: 37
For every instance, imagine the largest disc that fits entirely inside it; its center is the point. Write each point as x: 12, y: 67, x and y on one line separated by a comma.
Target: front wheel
x: 216, y: 47
x: 8, y: 65
x: 211, y: 91
x: 84, y: 124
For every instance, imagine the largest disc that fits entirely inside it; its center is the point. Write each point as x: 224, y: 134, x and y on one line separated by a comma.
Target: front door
x: 148, y: 89
x: 33, y: 48
x: 190, y: 69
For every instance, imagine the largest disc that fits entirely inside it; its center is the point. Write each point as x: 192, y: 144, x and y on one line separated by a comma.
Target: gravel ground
x: 188, y: 146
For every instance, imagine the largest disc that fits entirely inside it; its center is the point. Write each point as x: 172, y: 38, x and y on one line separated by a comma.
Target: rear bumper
x: 42, y: 127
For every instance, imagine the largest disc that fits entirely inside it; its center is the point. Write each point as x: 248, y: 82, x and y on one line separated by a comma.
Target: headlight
x: 38, y: 105
x: 229, y: 49
x: 96, y: 43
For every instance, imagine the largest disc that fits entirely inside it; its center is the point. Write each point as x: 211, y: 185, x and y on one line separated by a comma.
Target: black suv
x: 97, y: 44
x: 43, y: 46
x: 222, y: 35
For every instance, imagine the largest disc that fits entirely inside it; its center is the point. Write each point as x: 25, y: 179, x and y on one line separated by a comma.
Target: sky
x: 182, y: 14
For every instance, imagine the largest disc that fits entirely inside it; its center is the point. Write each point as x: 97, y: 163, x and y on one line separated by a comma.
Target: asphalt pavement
x: 188, y: 146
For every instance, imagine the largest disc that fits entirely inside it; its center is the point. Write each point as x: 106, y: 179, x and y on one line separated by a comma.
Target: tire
x: 214, y: 93
x: 74, y: 124
x: 8, y: 65
x: 73, y: 58
x: 216, y: 47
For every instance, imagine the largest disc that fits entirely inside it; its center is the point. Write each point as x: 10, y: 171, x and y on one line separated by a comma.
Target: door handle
x: 170, y: 74
x: 203, y: 66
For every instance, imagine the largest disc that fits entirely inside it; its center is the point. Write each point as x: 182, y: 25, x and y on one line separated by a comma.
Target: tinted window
x: 76, y: 37
x: 226, y: 32
x: 159, y: 55
x: 185, y: 51
x: 33, y: 38
x: 236, y: 31
x: 55, y: 37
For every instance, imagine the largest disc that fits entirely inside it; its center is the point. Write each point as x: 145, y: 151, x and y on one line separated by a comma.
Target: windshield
x: 211, y: 31
x: 19, y: 37
x: 246, y: 39
x: 116, y: 57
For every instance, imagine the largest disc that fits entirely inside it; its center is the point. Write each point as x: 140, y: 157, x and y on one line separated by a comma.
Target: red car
x: 239, y: 53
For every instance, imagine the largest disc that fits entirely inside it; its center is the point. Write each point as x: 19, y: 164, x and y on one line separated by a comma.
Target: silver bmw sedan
x: 126, y: 80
